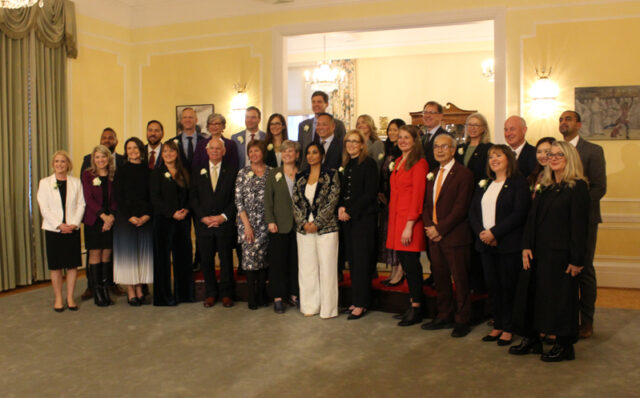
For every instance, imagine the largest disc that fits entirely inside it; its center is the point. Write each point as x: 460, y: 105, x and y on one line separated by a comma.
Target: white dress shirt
x: 519, y: 149
x: 489, y: 200
x: 575, y: 140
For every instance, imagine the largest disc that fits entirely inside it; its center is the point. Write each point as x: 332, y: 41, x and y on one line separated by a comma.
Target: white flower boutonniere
x: 306, y: 127
x: 96, y: 182
x: 168, y: 175
x: 461, y: 151
x: 392, y: 165
x: 241, y: 139
x: 270, y: 147
x: 430, y: 176
x: 175, y: 141
x: 55, y: 185
x: 203, y: 172
x: 538, y: 188
x: 278, y: 176
x: 341, y: 169
x: 381, y: 156
x: 250, y: 174
x: 483, y: 183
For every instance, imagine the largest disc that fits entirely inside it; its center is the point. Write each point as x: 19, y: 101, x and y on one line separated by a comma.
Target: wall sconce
x: 239, y: 103
x: 488, y: 69
x: 543, y: 94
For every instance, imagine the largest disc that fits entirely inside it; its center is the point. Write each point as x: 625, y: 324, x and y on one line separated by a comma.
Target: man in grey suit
x: 307, y: 128
x: 594, y: 167
x: 252, y: 131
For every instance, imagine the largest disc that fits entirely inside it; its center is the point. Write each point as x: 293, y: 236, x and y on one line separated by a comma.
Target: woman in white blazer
x: 62, y: 205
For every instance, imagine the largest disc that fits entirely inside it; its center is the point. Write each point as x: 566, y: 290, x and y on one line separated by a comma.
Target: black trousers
x: 209, y: 246
x: 501, y: 272
x: 410, y: 262
x: 283, y: 265
x: 360, y: 243
x: 587, y: 278
x: 172, y: 239
x: 256, y: 282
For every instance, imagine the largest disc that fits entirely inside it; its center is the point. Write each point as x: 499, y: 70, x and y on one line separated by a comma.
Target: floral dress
x: 250, y: 198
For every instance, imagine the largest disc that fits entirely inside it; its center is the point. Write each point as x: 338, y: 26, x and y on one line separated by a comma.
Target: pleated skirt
x: 132, y: 253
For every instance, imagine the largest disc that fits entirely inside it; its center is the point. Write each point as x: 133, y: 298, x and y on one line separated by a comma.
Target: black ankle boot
x: 559, y: 352
x: 98, y: 295
x: 107, y: 269
x: 413, y: 316
x: 526, y: 346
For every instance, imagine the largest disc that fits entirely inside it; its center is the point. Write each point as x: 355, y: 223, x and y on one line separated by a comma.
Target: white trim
x: 620, y: 200
x: 621, y: 217
x: 617, y: 274
x: 569, y: 5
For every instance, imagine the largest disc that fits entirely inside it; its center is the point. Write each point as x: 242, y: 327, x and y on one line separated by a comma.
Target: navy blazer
x: 527, y: 160
x: 512, y: 207
x: 183, y: 156
x: 333, y: 156
x: 358, y: 192
x: 205, y: 202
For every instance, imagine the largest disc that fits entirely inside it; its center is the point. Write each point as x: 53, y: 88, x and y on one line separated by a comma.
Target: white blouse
x: 309, y: 193
x: 489, y: 204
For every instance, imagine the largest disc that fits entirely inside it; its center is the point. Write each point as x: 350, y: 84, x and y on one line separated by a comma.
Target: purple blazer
x: 201, y: 159
x: 93, y: 198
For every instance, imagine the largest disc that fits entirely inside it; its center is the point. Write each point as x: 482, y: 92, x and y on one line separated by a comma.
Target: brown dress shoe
x: 586, y: 330
x: 209, y: 302
x: 227, y: 302
x: 87, y: 295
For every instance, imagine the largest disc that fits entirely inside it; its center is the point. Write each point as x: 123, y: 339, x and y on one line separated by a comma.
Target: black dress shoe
x: 352, y: 316
x: 460, y: 330
x: 252, y: 306
x: 134, y: 302
x: 413, y: 316
x: 72, y: 308
x: 437, y: 324
x: 491, y: 338
x: 400, y: 316
x: 278, y: 307
x: 390, y: 284
x: 526, y: 346
x: 502, y: 342
x: 58, y: 309
x: 429, y: 281
x: 559, y: 352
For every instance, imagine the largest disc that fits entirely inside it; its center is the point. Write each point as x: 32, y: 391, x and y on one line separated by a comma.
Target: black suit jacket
x: 333, y: 157
x: 427, y: 144
x: 183, y: 156
x: 527, y: 160
x: 359, y: 188
x: 165, y: 193
x: 594, y: 166
x: 478, y: 161
x: 512, y: 207
x: 86, y: 162
x: 305, y: 131
x: 205, y: 202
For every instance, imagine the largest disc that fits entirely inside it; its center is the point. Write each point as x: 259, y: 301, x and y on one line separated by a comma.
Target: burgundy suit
x: 93, y: 197
x: 450, y: 255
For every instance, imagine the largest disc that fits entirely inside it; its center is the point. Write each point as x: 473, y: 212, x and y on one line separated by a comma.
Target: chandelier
x: 20, y: 3
x: 324, y: 77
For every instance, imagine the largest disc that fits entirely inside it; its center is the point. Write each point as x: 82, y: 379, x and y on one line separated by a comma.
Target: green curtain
x: 34, y: 45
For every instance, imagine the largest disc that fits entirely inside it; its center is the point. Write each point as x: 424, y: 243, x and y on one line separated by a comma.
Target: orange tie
x: 438, y: 187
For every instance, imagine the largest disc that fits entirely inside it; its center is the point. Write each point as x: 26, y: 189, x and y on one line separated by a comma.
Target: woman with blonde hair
x: 375, y: 147
x: 62, y: 206
x: 554, y: 246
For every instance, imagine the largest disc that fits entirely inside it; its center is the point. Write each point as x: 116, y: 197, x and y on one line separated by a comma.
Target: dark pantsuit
x: 283, y: 265
x: 447, y: 262
x: 360, y: 241
x: 209, y: 246
x: 587, y: 278
x: 501, y: 274
x: 411, y: 265
x: 477, y: 273
x: 172, y: 239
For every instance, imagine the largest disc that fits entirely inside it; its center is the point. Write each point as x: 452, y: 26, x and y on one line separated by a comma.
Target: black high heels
x: 397, y: 283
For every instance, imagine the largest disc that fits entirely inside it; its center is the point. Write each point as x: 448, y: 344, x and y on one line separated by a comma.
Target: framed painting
x: 609, y: 113
x: 202, y: 113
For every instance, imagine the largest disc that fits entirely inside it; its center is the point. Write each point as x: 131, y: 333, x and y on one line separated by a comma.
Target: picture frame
x: 609, y: 113
x: 202, y: 113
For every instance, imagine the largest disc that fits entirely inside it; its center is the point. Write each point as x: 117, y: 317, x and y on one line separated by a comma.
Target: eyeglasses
x: 474, y: 125
x: 353, y: 142
x: 444, y: 147
x: 557, y: 155
x: 215, y: 124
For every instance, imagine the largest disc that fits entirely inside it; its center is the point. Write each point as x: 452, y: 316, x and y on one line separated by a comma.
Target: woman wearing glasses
x: 473, y: 152
x: 276, y: 135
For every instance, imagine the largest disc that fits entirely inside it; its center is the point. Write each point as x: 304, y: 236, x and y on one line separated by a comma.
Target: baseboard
x: 619, y: 274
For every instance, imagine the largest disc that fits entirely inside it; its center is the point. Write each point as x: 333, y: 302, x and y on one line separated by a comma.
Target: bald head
x: 515, y: 129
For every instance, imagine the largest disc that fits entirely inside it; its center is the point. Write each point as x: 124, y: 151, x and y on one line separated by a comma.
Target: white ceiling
x: 145, y: 13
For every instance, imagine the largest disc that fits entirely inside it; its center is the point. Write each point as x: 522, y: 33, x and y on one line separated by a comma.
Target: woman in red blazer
x: 405, y: 232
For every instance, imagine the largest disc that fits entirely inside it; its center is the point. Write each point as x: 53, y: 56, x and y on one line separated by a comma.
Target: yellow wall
x: 146, y: 72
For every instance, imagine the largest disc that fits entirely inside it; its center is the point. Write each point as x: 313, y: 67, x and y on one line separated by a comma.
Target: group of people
x: 518, y: 219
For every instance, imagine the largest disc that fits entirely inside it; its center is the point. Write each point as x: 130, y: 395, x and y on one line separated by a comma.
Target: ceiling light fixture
x: 324, y: 77
x: 20, y: 3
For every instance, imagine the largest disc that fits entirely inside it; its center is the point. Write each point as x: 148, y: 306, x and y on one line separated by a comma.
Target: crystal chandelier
x: 20, y: 3
x: 324, y: 77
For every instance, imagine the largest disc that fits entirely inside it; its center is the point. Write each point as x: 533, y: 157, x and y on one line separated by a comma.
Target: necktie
x: 214, y: 178
x: 152, y: 159
x: 253, y: 136
x: 323, y: 142
x: 190, y: 148
x: 438, y: 187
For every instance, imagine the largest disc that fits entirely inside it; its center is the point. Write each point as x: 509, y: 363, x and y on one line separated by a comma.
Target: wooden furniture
x: 453, y: 119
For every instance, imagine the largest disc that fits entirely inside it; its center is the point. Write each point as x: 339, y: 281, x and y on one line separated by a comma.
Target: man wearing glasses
x: 593, y: 163
x: 432, y: 118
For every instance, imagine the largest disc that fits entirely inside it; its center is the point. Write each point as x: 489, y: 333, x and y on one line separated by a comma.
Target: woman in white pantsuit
x: 315, y: 197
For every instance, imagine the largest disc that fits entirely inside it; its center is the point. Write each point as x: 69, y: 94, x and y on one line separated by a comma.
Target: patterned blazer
x: 324, y: 203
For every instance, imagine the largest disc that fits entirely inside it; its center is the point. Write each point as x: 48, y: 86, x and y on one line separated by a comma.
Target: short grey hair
x: 286, y: 144
x: 451, y: 139
x: 215, y: 116
x: 216, y: 139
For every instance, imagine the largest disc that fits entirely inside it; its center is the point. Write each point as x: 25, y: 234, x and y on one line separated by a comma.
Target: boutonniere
x: 97, y: 182
x: 461, y: 151
x: 175, y: 141
x: 203, y: 172
x: 167, y: 175
x: 278, y: 176
x: 392, y: 165
x: 430, y: 176
x: 250, y: 174
x: 538, y: 188
x: 55, y: 185
x: 483, y: 184
x: 270, y: 147
x: 381, y: 156
x: 241, y: 139
x: 306, y: 127
x: 341, y: 169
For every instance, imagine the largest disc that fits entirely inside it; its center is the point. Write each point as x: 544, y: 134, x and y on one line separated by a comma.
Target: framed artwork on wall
x: 609, y: 113
x: 202, y: 113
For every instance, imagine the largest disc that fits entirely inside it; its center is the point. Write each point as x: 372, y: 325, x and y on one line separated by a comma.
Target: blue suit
x: 240, y: 141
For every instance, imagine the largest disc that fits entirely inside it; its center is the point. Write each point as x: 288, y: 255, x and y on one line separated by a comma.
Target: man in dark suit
x: 155, y: 133
x: 515, y: 129
x: 446, y: 205
x: 594, y: 166
x: 252, y: 131
x: 212, y: 197
x: 109, y: 139
x: 188, y: 138
x: 432, y: 113
x: 307, y: 128
x: 332, y: 143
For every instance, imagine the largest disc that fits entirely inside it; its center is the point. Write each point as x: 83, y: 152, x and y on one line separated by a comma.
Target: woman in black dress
x: 62, y: 206
x: 97, y: 185
x: 276, y: 135
x: 554, y: 245
x: 171, y: 230
x: 357, y: 209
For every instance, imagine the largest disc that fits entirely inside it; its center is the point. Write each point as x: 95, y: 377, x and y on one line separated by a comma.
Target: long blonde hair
x: 373, y: 131
x: 485, y: 135
x: 111, y: 166
x: 363, y: 154
x: 573, y: 170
